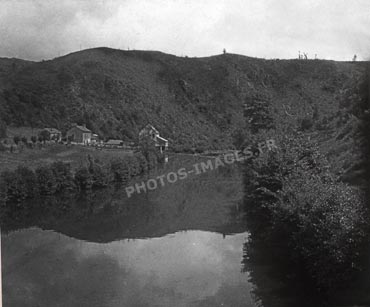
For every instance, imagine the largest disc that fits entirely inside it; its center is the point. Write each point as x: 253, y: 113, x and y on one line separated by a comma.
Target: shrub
x: 147, y: 148
x: 306, y: 124
x: 2, y: 129
x: 9, y: 179
x: 143, y: 163
x: 16, y: 139
x: 134, y: 166
x: 46, y: 181
x: 3, y: 192
x: 329, y: 226
x: 24, y: 139
x: 296, y: 197
x: 26, y: 180
x: 152, y: 159
x: 33, y: 139
x: 63, y: 176
x: 83, y: 178
x: 101, y: 175
x: 20, y: 184
x: 2, y: 147
x: 44, y: 136
x: 120, y: 169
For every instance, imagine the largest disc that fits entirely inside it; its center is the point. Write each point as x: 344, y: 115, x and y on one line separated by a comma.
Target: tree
x: 16, y: 139
x: 24, y: 139
x: 149, y: 151
x: 2, y: 129
x: 257, y: 113
x: 33, y: 139
x: 44, y: 135
x: 239, y: 138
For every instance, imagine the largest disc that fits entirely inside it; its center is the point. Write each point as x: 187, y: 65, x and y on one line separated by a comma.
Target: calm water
x: 185, y: 244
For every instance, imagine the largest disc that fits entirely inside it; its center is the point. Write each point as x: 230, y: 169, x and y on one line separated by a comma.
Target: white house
x: 160, y: 142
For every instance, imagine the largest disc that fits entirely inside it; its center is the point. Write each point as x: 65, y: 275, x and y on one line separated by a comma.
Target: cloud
x: 334, y: 29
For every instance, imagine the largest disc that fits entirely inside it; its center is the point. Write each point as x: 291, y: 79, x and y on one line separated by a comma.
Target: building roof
x: 149, y: 127
x: 82, y: 128
x: 52, y: 130
x: 161, y: 140
x: 114, y: 142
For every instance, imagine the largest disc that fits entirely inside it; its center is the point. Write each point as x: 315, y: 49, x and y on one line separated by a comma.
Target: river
x: 183, y: 244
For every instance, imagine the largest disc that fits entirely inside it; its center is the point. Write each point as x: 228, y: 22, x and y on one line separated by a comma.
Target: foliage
x: 46, y: 181
x: 2, y: 147
x: 100, y: 174
x: 239, y: 137
x: 120, y: 169
x: 3, y: 191
x: 63, y: 176
x: 16, y: 139
x: 306, y: 123
x: 58, y: 177
x: 44, y: 136
x: 295, y: 196
x: 2, y: 129
x: 143, y: 163
x: 83, y: 178
x: 20, y: 184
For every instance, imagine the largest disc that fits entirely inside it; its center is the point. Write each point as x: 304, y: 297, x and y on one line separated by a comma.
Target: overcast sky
x: 44, y: 29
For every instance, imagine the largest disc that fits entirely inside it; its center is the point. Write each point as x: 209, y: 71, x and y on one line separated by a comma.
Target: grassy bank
x: 46, y: 154
x: 93, y: 170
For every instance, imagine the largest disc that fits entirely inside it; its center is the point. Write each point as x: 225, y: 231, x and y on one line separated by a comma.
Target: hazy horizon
x: 334, y: 30
x: 211, y: 55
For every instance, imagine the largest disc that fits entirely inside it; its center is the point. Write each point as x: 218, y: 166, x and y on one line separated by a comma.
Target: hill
x: 196, y: 102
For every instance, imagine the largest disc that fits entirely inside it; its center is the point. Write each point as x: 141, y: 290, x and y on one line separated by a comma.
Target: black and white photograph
x: 184, y: 153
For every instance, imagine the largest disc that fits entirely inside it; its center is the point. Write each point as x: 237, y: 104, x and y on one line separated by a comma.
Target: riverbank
x: 292, y: 197
x: 75, y: 155
x: 58, y: 169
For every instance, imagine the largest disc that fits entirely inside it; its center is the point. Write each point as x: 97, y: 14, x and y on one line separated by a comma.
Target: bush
x: 143, y: 163
x: 3, y: 192
x: 20, y: 184
x: 120, y: 169
x: 9, y: 179
x: 147, y: 148
x: 63, y: 176
x: 16, y: 139
x: 2, y: 129
x: 329, y: 226
x: 23, y: 183
x: 46, y: 181
x: 2, y: 147
x: 306, y: 124
x: 83, y: 178
x: 134, y: 166
x: 101, y: 175
x: 26, y: 180
x: 296, y: 198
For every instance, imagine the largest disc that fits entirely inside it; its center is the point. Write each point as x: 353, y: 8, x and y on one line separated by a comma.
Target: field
x: 75, y: 155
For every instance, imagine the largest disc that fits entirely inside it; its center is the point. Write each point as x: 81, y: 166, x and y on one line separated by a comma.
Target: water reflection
x: 190, y: 268
x: 180, y: 245
x: 208, y: 202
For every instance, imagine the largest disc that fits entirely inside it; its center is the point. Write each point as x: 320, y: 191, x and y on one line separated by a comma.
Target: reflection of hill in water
x: 200, y: 202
